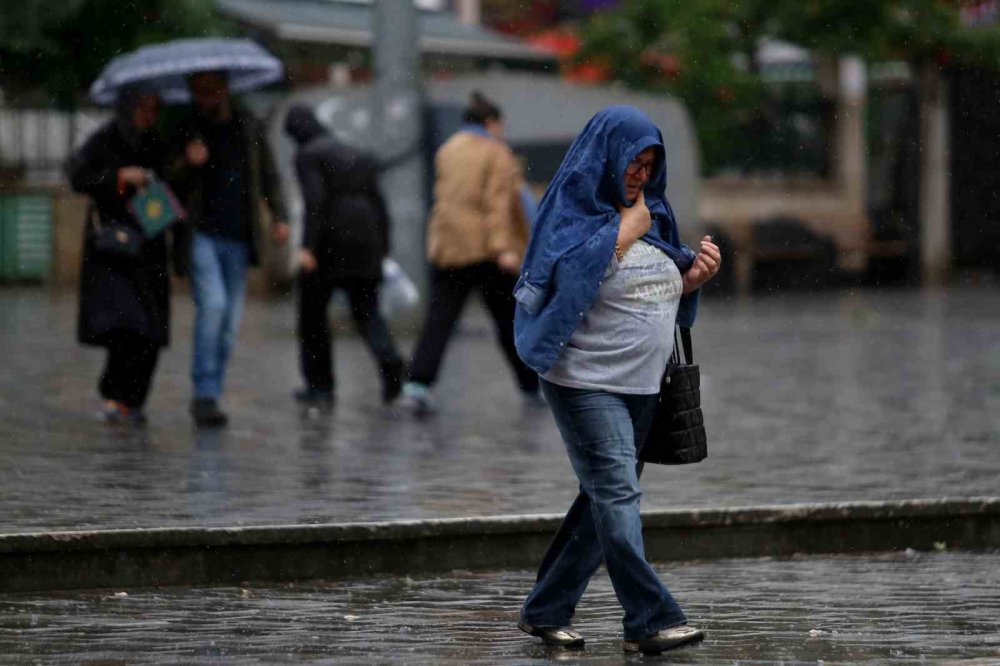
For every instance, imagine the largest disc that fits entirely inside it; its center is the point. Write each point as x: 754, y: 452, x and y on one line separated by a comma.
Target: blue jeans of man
x: 602, y: 432
x: 218, y: 282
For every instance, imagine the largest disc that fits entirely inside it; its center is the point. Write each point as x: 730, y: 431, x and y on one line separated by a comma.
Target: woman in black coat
x: 124, y: 300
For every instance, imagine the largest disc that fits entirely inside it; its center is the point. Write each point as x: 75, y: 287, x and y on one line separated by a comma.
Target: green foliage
x: 62, y: 46
x: 702, y: 51
x: 831, y: 26
x: 689, y: 49
x: 26, y: 26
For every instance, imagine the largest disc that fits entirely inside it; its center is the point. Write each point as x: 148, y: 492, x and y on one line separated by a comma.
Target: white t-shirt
x: 624, y: 342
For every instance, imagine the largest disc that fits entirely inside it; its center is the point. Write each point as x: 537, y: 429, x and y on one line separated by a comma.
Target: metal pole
x: 397, y: 76
x: 470, y: 12
x: 935, y: 175
x: 397, y: 55
x: 398, y: 122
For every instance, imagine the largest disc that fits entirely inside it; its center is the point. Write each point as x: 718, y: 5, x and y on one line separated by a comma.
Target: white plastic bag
x: 399, y: 293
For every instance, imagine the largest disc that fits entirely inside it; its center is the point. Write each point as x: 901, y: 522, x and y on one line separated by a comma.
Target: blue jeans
x: 218, y: 282
x: 601, y: 431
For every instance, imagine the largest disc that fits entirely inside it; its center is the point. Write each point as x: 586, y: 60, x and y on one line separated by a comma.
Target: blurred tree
x: 521, y: 18
x: 705, y: 51
x: 24, y: 25
x: 56, y: 49
x: 699, y: 50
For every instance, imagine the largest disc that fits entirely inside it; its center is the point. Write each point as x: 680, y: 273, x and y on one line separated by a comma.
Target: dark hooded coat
x: 346, y: 220
x: 119, y: 295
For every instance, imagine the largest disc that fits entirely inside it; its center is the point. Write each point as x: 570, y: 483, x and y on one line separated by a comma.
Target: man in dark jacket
x: 346, y: 237
x: 223, y: 175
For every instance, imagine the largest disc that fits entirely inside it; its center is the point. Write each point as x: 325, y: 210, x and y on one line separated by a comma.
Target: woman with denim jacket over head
x: 604, y: 281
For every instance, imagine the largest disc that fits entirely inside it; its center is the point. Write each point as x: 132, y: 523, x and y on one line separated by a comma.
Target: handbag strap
x: 93, y: 217
x: 682, y: 342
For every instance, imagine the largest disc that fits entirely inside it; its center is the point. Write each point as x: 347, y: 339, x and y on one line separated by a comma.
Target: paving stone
x: 807, y: 397
x: 892, y: 609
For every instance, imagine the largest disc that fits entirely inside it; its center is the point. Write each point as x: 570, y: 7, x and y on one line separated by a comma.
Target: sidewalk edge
x: 220, y: 556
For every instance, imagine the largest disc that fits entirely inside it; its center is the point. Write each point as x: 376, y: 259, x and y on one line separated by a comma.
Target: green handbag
x: 155, y: 207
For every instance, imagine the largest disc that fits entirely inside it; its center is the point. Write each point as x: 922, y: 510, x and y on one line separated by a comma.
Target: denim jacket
x: 573, y: 239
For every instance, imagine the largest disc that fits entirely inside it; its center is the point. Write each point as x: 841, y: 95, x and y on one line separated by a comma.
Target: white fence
x: 39, y: 140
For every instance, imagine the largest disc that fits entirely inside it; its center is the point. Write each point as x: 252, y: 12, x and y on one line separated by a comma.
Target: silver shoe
x: 665, y: 639
x: 554, y: 636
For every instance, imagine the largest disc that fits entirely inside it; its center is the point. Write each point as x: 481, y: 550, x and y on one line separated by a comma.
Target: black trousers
x: 128, y: 370
x: 315, y: 343
x: 449, y: 290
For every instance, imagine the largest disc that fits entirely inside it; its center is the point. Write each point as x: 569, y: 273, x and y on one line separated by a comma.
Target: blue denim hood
x: 573, y: 238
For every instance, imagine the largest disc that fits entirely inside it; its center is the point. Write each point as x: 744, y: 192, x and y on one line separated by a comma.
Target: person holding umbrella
x: 222, y: 173
x: 124, y: 287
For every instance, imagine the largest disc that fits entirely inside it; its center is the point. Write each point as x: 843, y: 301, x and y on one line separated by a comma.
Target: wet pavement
x: 893, y: 609
x: 822, y: 397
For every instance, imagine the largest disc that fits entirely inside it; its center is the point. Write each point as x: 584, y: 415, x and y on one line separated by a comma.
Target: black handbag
x: 114, y: 239
x: 677, y: 435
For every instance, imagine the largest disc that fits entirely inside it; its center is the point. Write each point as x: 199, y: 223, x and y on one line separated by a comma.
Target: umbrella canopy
x: 165, y: 68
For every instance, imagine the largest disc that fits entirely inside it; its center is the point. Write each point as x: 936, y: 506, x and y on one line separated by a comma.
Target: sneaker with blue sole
x: 417, y: 399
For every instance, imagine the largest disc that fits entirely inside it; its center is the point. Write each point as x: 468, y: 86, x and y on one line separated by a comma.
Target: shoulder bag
x: 114, y: 239
x: 677, y: 435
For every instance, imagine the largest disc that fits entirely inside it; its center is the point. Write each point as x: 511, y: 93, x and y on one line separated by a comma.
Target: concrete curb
x: 221, y: 556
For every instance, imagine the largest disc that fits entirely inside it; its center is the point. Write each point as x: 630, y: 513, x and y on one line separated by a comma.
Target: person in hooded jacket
x: 345, y: 239
x: 124, y: 299
x: 604, y: 281
x: 476, y: 237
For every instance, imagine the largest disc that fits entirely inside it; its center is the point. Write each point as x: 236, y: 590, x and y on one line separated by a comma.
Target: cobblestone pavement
x: 894, y: 609
x: 825, y: 397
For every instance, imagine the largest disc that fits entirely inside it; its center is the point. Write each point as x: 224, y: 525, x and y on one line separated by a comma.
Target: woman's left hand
x: 509, y: 262
x: 307, y: 260
x: 705, y: 265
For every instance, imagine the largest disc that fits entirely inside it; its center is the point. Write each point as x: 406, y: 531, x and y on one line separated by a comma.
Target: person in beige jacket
x: 476, y: 237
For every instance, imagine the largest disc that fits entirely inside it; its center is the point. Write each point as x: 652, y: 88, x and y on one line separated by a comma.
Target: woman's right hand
x: 307, y: 261
x: 636, y: 221
x: 133, y: 175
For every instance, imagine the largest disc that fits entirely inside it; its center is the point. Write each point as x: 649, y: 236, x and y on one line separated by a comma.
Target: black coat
x: 346, y: 221
x: 119, y: 294
x: 261, y: 183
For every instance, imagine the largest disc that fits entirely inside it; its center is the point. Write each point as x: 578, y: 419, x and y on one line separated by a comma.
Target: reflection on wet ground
x: 824, y: 397
x: 876, y: 610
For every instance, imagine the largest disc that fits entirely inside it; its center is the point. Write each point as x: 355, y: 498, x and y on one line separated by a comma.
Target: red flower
x: 562, y: 43
x: 725, y: 94
x: 667, y: 64
x: 588, y: 72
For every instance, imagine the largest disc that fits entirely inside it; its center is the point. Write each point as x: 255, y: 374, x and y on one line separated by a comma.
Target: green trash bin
x: 25, y: 237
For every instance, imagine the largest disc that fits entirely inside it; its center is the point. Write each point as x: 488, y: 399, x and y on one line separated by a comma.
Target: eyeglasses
x: 635, y: 166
